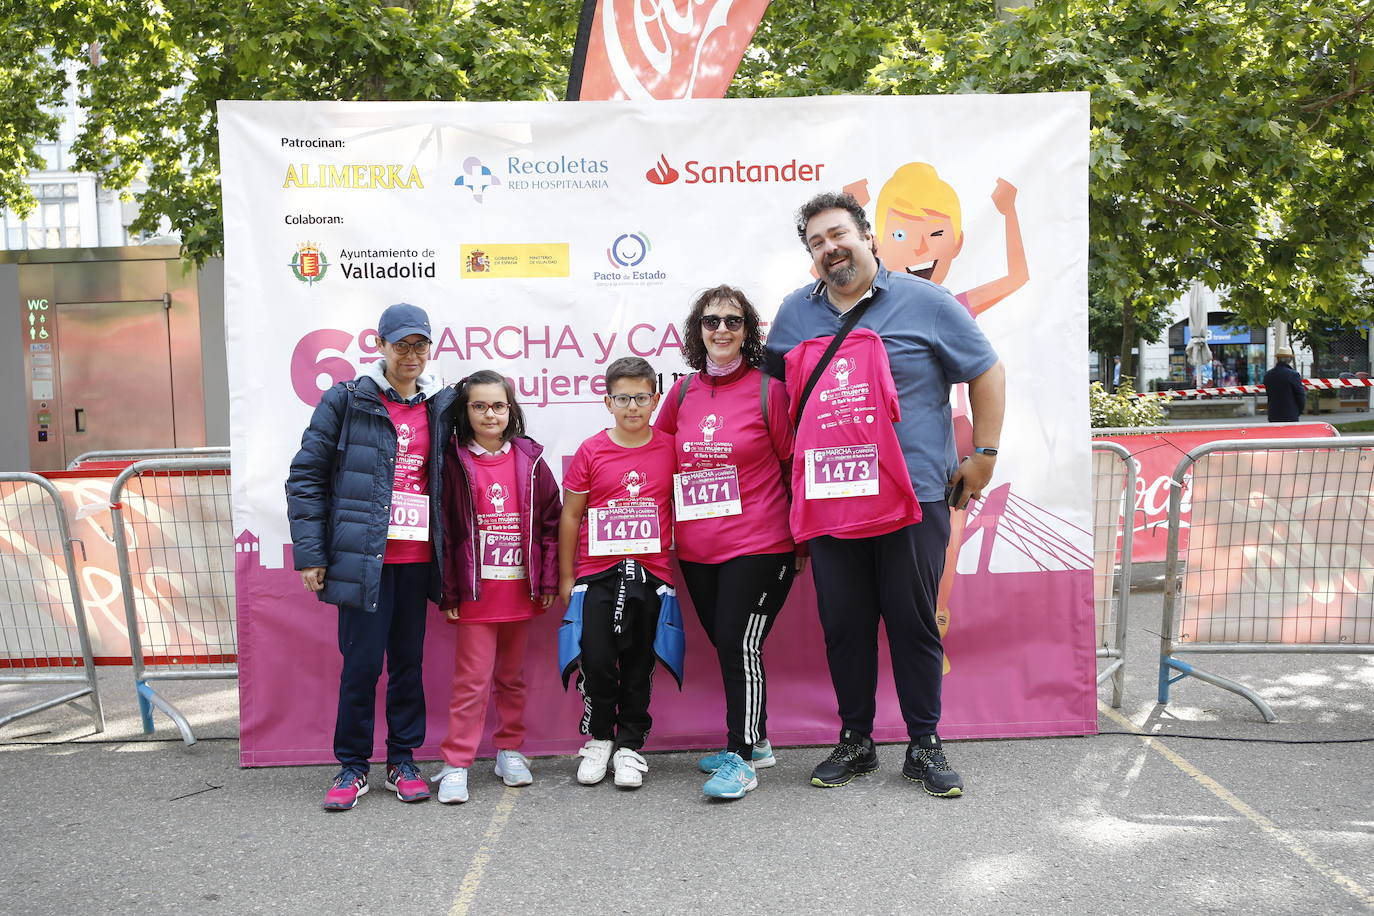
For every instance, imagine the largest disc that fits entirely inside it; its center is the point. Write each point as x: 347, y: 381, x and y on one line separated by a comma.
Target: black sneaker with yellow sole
x: 925, y: 763
x: 853, y: 756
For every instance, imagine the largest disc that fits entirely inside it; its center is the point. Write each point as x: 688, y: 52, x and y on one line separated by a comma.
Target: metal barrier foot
x: 1225, y: 683
x: 146, y: 695
x: 46, y: 704
x: 1117, y: 672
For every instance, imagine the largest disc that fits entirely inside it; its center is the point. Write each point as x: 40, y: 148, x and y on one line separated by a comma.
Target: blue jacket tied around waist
x: 670, y: 641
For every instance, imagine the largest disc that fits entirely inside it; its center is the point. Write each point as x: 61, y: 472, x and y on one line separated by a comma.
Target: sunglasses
x: 732, y: 322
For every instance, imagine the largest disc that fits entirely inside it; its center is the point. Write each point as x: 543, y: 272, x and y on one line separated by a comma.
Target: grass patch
x: 1359, y: 426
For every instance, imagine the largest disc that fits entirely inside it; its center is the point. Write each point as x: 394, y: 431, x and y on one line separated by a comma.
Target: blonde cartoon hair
x: 915, y: 188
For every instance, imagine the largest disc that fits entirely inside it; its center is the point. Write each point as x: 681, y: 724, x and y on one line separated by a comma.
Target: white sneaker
x: 595, y: 755
x: 629, y: 768
x: 514, y: 768
x: 453, y: 785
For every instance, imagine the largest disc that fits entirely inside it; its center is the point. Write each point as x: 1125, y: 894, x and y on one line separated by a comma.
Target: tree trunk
x: 1129, y: 333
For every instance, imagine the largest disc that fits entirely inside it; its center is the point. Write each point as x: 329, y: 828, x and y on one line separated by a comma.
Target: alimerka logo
x: 737, y: 172
x: 309, y: 263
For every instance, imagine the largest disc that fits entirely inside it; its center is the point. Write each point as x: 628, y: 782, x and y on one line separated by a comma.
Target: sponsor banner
x: 641, y: 210
x: 1157, y: 455
x: 682, y: 49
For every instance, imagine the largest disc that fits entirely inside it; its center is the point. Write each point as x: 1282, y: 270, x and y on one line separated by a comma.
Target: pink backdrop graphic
x: 592, y: 217
x: 1017, y: 687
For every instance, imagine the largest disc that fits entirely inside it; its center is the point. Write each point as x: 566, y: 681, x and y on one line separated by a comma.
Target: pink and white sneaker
x: 344, y: 792
x: 404, y: 779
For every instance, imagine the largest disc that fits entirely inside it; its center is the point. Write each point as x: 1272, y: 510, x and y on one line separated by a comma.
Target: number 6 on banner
x: 308, y: 363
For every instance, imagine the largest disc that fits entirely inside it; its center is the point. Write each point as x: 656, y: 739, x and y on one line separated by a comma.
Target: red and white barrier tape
x: 1317, y: 383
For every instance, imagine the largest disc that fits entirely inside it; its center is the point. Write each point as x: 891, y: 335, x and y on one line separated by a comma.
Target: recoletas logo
x: 477, y: 178
x: 737, y: 172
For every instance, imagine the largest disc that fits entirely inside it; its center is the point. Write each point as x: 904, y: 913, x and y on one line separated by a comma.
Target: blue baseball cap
x: 401, y: 320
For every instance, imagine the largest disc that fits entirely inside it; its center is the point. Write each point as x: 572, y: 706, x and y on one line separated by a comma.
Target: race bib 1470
x: 615, y: 530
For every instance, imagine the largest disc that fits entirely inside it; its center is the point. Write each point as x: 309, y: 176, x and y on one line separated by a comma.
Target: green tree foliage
x: 1232, y: 141
x: 29, y: 85
x: 161, y: 65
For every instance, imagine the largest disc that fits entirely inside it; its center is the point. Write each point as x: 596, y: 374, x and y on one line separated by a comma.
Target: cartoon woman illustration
x: 918, y: 222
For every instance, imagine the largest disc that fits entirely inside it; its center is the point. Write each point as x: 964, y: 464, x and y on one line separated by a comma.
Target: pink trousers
x: 486, y: 654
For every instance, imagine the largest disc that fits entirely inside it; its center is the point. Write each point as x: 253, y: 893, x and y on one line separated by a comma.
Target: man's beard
x: 843, y: 275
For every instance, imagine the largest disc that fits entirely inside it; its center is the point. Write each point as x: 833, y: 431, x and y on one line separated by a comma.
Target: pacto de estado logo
x: 737, y: 172
x: 628, y: 250
x: 627, y: 253
x: 309, y: 263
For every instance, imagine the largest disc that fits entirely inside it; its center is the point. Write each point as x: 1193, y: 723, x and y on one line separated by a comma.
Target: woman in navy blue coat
x: 363, y: 502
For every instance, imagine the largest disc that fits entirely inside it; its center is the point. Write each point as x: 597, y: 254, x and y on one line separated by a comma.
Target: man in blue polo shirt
x: 932, y: 343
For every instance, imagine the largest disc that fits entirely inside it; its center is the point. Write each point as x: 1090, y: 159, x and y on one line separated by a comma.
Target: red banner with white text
x: 1157, y: 455
x: 661, y: 49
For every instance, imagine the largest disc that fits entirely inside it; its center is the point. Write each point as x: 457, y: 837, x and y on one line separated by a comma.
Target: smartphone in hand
x: 955, y: 495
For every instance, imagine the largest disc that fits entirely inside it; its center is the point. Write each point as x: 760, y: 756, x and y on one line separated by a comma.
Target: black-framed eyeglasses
x: 419, y: 347
x: 497, y: 407
x: 732, y: 322
x: 623, y: 400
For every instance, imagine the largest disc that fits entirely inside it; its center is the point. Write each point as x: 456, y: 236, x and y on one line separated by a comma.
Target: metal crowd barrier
x: 1114, y: 476
x: 43, y: 635
x: 139, y: 454
x: 175, y: 547
x: 1280, y: 555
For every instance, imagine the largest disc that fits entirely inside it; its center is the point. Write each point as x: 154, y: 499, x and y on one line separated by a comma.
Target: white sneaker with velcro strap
x: 629, y: 768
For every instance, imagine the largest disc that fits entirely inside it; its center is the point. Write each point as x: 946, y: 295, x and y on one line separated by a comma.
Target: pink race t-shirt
x: 730, y: 497
x: 408, y: 537
x: 504, y: 590
x: 849, y: 478
x: 629, y: 503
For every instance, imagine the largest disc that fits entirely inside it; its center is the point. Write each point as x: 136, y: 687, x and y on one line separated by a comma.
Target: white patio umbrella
x: 1199, y: 353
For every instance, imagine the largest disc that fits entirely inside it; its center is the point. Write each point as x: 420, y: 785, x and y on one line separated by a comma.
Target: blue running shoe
x: 761, y: 758
x: 733, y: 779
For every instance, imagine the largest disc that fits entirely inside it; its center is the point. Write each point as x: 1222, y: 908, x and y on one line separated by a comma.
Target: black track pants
x: 737, y: 602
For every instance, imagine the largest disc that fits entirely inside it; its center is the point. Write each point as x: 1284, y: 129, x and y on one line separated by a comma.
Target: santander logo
x: 662, y: 172
x: 736, y: 172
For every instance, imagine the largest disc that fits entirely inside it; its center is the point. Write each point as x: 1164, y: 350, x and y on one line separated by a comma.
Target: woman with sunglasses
x: 362, y: 498
x: 731, y: 428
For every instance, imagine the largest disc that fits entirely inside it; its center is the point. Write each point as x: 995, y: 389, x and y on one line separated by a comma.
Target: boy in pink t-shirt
x: 614, y: 574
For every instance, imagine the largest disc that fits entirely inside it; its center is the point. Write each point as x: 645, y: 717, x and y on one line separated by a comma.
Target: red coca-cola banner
x: 661, y: 49
x: 1158, y: 454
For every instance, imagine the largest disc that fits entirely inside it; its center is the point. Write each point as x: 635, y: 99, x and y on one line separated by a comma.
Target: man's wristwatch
x: 986, y: 451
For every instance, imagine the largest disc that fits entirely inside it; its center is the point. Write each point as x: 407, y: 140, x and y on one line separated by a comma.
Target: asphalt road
x: 1118, y: 823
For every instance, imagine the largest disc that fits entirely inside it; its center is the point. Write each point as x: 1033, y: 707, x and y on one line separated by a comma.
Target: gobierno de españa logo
x: 309, y: 263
